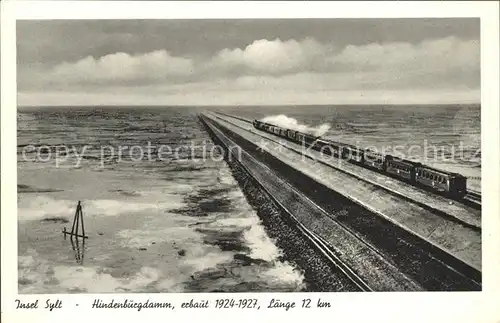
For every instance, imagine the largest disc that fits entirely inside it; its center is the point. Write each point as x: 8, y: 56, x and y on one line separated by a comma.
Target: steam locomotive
x: 447, y: 183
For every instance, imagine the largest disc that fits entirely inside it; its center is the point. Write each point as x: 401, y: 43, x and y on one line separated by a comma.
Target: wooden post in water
x: 76, y: 224
x: 79, y: 251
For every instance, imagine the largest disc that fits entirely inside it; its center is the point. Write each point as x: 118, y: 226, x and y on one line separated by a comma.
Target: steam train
x: 447, y: 183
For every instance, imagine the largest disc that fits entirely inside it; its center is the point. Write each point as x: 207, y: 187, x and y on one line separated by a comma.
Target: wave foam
x: 284, y: 273
x: 261, y: 246
x: 44, y: 207
x: 291, y: 123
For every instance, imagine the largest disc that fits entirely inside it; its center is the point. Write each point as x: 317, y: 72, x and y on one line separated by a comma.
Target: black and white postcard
x: 231, y: 160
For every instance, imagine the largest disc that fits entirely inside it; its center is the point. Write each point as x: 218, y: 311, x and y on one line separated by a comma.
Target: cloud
x: 273, y: 56
x: 276, y: 57
x: 431, y: 63
x: 291, y: 68
x: 122, y: 67
x: 445, y: 53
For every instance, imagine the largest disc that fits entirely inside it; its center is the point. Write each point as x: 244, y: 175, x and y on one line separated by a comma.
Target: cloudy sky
x: 219, y: 62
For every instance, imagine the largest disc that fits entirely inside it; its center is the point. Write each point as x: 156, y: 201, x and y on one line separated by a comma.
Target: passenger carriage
x: 403, y: 169
x: 442, y: 181
x: 353, y: 153
x: 335, y: 148
x: 300, y: 137
x: 310, y: 139
x: 304, y: 138
x: 374, y: 160
x: 323, y: 146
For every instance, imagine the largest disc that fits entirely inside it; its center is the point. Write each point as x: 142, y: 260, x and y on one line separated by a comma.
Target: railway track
x: 326, y: 250
x: 442, y: 259
x: 322, y: 246
x: 472, y: 199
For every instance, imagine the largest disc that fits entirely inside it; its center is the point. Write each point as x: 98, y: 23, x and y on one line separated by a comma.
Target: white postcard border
x: 408, y: 307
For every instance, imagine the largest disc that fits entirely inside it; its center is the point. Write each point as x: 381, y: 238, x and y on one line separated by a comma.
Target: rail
x: 321, y: 245
x: 461, y: 268
x: 387, y: 189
